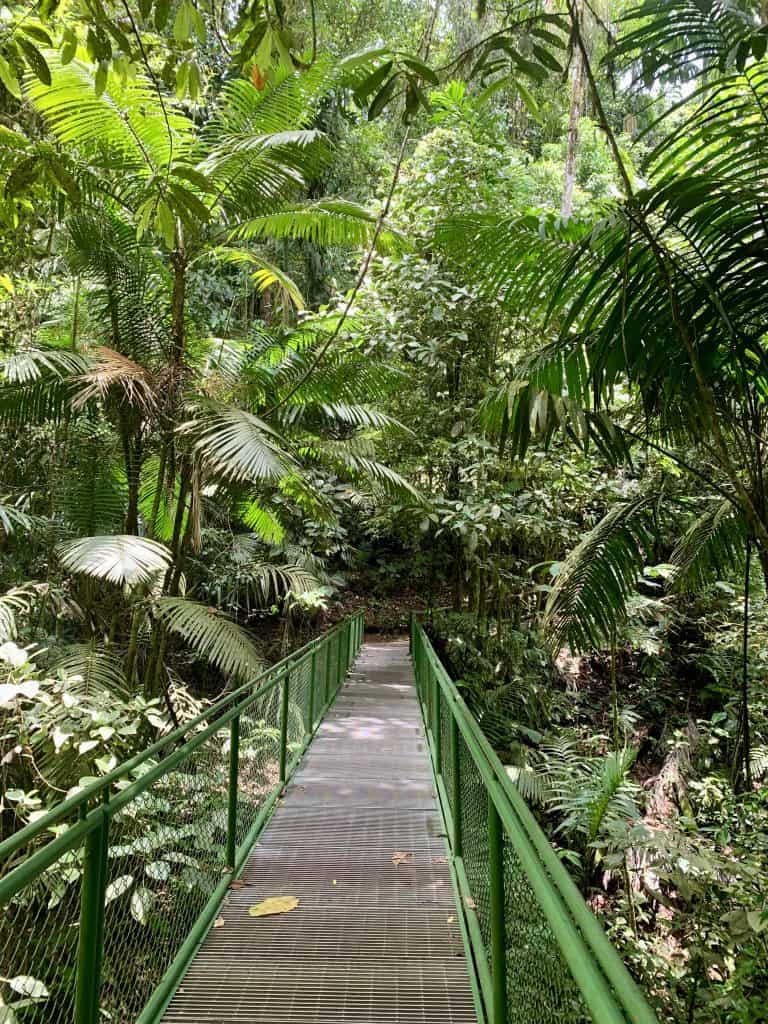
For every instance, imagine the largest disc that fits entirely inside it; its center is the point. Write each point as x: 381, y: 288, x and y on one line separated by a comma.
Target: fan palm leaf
x: 121, y: 558
x: 236, y: 446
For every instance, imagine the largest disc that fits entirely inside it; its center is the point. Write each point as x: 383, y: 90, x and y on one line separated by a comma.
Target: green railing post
x: 284, y: 726
x: 437, y: 729
x: 327, y: 681
x: 234, y: 770
x: 91, y: 939
x: 337, y: 662
x: 312, y: 681
x: 455, y: 787
x: 498, y: 932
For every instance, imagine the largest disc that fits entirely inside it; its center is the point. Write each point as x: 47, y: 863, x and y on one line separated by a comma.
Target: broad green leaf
x: 28, y: 986
x: 118, y: 888
x: 141, y: 904
x: 9, y: 79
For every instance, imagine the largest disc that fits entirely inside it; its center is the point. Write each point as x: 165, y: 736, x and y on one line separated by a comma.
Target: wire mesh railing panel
x: 474, y: 839
x: 104, y: 898
x: 539, y: 985
x: 166, y: 856
x: 259, y: 760
x: 39, y: 943
x: 446, y: 760
x: 539, y: 953
x: 301, y: 688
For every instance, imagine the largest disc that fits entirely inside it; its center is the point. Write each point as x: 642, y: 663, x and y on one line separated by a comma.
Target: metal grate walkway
x: 372, y: 941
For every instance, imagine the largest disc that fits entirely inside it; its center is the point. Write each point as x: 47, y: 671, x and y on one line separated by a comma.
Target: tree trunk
x: 572, y: 145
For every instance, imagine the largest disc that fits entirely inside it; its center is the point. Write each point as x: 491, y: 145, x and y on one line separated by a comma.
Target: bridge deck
x: 373, y: 941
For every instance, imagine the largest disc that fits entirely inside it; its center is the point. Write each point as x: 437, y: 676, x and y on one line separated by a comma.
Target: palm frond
x: 13, y: 602
x: 236, y: 445
x: 212, y: 635
x: 126, y: 121
x: 596, y: 794
x: 13, y: 518
x: 684, y: 39
x: 711, y: 545
x: 325, y: 223
x: 91, y: 669
x: 113, y: 375
x: 120, y: 559
x: 589, y: 597
x: 264, y: 523
x: 264, y: 275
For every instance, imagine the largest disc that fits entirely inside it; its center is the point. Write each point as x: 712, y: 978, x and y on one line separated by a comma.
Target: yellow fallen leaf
x: 334, y: 881
x: 451, y: 919
x: 400, y: 858
x: 470, y: 902
x: 274, y: 905
x: 219, y: 922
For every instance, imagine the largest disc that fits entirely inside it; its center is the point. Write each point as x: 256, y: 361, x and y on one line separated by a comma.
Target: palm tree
x: 663, y: 297
x: 160, y: 199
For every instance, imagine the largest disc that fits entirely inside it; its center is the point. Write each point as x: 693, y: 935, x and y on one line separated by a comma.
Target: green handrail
x: 537, y: 952
x: 107, y: 896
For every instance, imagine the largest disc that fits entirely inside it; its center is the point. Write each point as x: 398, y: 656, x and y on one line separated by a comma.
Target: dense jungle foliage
x: 405, y: 304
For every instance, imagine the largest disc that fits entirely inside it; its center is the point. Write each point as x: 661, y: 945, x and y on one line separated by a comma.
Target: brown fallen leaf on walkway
x: 400, y: 858
x: 219, y: 922
x: 238, y: 883
x: 274, y: 905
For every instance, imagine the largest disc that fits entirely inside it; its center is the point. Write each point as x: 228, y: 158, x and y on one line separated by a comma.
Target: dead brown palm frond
x: 115, y: 377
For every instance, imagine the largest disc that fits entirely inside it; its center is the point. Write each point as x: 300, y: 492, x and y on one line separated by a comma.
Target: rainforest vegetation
x: 405, y: 305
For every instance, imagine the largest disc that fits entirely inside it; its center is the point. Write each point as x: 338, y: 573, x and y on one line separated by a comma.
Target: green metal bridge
x: 416, y: 885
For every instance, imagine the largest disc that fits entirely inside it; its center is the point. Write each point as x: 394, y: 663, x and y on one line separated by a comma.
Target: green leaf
x: 162, y: 10
x: 100, y: 78
x: 546, y: 58
x: 145, y: 8
x: 28, y: 986
x: 37, y: 33
x: 382, y: 98
x: 422, y: 70
x: 158, y: 870
x: 69, y: 47
x: 142, y: 900
x: 117, y: 888
x: 529, y: 102
x: 9, y: 80
x: 373, y: 82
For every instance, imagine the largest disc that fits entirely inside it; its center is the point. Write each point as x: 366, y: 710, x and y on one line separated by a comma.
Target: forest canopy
x: 410, y: 305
